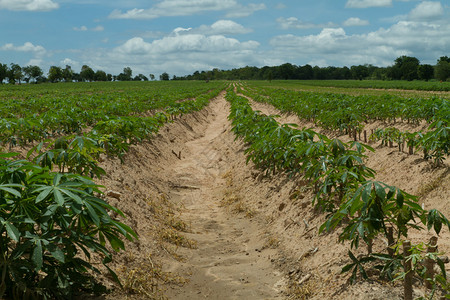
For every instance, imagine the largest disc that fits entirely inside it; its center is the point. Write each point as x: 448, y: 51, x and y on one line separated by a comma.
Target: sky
x: 182, y: 36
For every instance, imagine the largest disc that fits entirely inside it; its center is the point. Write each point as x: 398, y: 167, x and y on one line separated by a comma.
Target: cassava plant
x: 54, y: 231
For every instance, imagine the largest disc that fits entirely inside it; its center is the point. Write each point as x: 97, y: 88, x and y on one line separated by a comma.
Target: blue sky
x: 182, y: 36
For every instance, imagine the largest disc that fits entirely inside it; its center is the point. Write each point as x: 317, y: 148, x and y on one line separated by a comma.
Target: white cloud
x: 182, y: 52
x: 98, y: 28
x: 28, y: 5
x: 184, y: 43
x: 84, y: 28
x: 35, y: 62
x: 380, y: 47
x: 355, y: 22
x: 27, y: 47
x: 426, y: 11
x: 186, y: 8
x: 294, y: 23
x: 70, y: 62
x: 368, y: 3
x: 223, y: 27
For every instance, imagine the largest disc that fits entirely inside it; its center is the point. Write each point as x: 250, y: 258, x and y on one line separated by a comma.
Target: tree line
x: 34, y: 74
x: 404, y: 68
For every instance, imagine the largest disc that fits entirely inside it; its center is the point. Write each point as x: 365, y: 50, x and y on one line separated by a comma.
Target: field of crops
x: 50, y: 210
x: 53, y: 218
x: 367, y: 84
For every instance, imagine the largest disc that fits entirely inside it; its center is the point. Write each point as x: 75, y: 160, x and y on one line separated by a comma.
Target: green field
x: 50, y: 208
x: 358, y: 87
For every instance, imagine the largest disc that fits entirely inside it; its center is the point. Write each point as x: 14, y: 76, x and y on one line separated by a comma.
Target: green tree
x: 406, y: 67
x: 32, y: 72
x: 3, y: 72
x: 359, y: 72
x: 128, y: 73
x: 67, y: 73
x: 442, y: 71
x: 15, y: 73
x: 164, y: 76
x: 55, y: 74
x: 152, y: 77
x: 100, y: 76
x: 87, y: 74
x: 425, y: 72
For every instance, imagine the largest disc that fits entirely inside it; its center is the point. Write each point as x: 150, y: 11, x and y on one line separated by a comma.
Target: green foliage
x: 363, y: 208
x: 51, y: 224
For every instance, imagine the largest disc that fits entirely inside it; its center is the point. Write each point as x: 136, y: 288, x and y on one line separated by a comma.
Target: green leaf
x: 43, y: 194
x: 58, y: 254
x: 92, y: 214
x: 400, y: 198
x: 58, y: 197
x: 347, y: 268
x: 37, y: 255
x: 7, y: 188
x: 12, y: 231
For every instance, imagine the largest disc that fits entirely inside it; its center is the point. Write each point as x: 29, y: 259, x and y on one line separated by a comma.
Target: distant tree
x: 87, y: 74
x: 359, y: 72
x: 405, y: 67
x: 100, y: 76
x: 425, y: 72
x: 3, y: 72
x: 32, y: 72
x: 442, y: 71
x: 55, y: 74
x: 268, y: 75
x: 67, y: 73
x: 346, y: 73
x: 77, y: 77
x: 109, y: 77
x: 318, y: 73
x: 164, y: 76
x: 152, y: 77
x: 143, y: 77
x: 305, y: 72
x: 15, y: 73
x: 128, y: 73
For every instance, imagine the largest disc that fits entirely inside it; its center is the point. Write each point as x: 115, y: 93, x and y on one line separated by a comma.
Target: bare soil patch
x: 197, y: 239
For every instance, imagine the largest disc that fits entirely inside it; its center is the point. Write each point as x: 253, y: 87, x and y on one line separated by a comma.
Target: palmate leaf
x: 435, y: 220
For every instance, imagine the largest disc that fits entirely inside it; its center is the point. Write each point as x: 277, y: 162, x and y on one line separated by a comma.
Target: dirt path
x: 230, y: 261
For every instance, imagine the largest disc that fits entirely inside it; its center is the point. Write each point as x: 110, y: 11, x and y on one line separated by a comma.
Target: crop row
x: 349, y: 114
x: 341, y: 111
x: 50, y: 117
x: 343, y: 187
x: 54, y: 228
x: 373, y: 84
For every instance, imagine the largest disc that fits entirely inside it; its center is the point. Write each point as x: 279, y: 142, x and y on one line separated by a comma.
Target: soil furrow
x: 230, y: 260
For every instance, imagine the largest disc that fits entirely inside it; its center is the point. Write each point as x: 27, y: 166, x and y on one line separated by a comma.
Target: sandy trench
x: 229, y: 262
x: 190, y: 162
